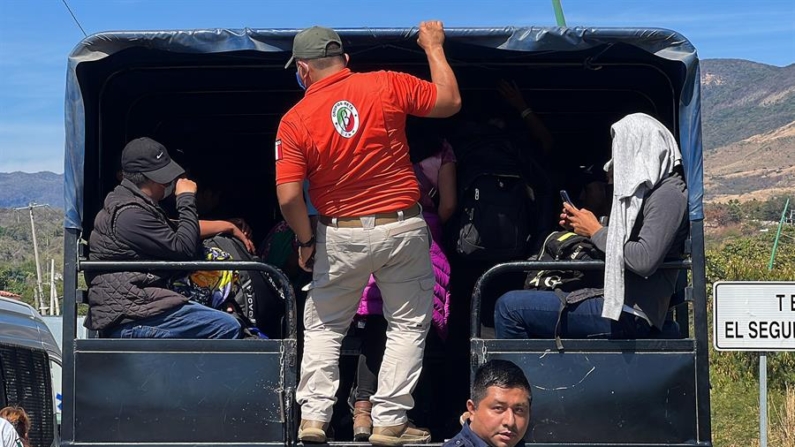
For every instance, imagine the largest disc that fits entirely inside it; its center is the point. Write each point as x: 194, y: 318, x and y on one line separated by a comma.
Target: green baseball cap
x: 312, y: 43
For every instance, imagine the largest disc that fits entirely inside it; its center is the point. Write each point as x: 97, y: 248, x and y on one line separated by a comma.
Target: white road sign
x: 753, y: 316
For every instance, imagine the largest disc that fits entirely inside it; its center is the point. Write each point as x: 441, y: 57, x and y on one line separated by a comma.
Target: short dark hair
x: 501, y: 373
x: 323, y: 63
x: 137, y: 178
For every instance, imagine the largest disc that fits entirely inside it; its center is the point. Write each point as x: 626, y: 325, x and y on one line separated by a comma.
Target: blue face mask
x: 169, y: 189
x: 300, y: 81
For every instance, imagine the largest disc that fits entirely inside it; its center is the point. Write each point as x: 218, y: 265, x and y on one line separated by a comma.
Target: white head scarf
x: 644, y: 152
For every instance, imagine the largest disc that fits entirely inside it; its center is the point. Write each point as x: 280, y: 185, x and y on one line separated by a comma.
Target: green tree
x: 17, y: 280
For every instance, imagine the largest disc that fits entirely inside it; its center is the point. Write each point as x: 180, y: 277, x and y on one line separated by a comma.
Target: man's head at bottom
x: 499, y: 406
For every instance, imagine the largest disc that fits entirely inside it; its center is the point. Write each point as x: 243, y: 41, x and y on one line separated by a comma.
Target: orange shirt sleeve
x: 290, y: 152
x: 413, y: 95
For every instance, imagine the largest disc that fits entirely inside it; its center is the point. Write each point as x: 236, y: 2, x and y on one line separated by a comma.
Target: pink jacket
x: 371, y: 303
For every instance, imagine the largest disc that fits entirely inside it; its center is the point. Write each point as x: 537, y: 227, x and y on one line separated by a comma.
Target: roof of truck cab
x: 21, y: 325
x: 586, y: 43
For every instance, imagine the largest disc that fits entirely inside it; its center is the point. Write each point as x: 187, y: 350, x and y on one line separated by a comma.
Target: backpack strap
x: 431, y: 186
x: 563, y: 304
x: 575, y: 297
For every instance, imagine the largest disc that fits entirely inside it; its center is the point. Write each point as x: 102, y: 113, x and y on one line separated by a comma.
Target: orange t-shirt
x: 348, y: 137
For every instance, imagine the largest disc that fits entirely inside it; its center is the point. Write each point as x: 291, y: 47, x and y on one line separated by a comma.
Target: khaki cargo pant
x: 397, y: 254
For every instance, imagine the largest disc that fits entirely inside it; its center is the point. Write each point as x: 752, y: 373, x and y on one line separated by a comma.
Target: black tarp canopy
x: 662, y: 50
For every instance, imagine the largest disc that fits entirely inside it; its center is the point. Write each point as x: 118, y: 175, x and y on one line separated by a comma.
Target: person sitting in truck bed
x: 648, y: 225
x: 132, y: 226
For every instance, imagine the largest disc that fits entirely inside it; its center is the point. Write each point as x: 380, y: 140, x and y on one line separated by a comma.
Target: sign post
x: 755, y: 316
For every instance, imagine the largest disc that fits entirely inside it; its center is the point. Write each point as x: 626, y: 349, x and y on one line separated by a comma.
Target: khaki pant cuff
x: 390, y: 422
x: 316, y: 418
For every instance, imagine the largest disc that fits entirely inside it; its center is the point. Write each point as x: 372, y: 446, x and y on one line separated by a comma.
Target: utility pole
x: 39, y: 292
x: 54, y: 308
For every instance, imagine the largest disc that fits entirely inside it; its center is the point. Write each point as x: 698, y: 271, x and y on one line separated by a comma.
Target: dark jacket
x: 658, y: 235
x: 467, y: 438
x: 133, y: 227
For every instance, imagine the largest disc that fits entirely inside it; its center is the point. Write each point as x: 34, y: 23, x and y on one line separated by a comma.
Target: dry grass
x: 761, y: 195
x: 780, y: 428
x: 757, y: 168
x: 783, y: 427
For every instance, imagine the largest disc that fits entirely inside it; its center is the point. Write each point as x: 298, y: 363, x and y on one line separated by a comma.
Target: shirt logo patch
x: 278, y: 150
x: 345, y: 118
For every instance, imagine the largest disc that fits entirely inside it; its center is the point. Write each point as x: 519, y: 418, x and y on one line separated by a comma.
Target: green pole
x: 763, y: 355
x: 778, y: 235
x: 558, y: 13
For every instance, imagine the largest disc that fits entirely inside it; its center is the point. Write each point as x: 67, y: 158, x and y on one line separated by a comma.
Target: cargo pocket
x: 322, y: 262
x: 427, y: 283
x: 426, y: 287
x: 409, y: 303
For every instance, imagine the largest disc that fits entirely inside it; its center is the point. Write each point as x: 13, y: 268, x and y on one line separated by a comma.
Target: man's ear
x: 471, y: 407
x: 302, y: 67
x: 347, y: 59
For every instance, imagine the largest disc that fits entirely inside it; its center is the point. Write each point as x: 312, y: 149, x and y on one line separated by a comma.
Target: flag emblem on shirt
x: 345, y: 118
x: 278, y: 146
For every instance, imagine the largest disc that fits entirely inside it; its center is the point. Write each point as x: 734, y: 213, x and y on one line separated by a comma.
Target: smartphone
x: 565, y: 196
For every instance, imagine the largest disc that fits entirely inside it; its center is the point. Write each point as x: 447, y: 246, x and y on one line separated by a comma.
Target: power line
x: 75, y: 18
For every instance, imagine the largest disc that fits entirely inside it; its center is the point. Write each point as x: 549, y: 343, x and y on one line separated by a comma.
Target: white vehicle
x: 30, y: 368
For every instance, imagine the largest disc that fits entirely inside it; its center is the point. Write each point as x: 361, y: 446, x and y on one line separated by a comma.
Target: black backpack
x: 257, y: 296
x: 497, y: 202
x: 565, y: 245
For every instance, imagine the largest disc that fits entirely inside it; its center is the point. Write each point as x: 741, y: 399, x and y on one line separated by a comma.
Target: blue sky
x: 37, y: 35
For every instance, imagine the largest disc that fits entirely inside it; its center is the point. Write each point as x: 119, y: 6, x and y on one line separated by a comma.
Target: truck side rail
x: 249, y: 384
x: 285, y: 288
x: 652, y: 392
x: 526, y: 266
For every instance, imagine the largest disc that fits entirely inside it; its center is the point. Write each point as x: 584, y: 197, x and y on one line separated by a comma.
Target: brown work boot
x: 362, y: 423
x: 312, y: 431
x: 398, y: 435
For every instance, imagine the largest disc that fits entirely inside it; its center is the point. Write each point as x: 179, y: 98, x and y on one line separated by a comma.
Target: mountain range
x: 748, y: 130
x: 18, y: 189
